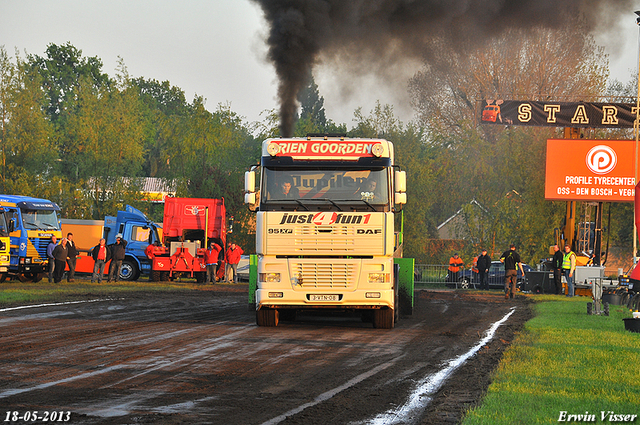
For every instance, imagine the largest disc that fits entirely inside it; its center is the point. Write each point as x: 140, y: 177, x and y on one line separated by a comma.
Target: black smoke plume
x: 302, y: 32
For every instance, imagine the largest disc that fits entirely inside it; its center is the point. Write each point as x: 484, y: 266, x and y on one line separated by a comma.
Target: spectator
x: 52, y: 262
x: 484, y: 264
x: 455, y: 265
x: 60, y: 254
x: 118, y: 251
x: 72, y: 257
x: 511, y: 260
x: 232, y: 257
x: 568, y: 267
x: 101, y: 255
x: 211, y: 261
x: 556, y: 265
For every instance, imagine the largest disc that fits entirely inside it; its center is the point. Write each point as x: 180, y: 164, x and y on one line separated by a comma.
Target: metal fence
x: 431, y: 274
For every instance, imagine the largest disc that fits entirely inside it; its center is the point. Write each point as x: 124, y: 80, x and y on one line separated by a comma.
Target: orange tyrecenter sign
x: 590, y: 170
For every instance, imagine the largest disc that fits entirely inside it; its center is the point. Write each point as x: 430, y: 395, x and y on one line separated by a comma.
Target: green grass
x: 17, y: 293
x: 564, y: 360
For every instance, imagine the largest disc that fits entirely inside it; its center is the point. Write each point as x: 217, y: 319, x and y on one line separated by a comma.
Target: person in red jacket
x: 232, y: 257
x: 211, y: 260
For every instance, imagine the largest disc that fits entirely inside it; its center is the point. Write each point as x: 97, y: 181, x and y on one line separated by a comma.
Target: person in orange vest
x: 455, y: 265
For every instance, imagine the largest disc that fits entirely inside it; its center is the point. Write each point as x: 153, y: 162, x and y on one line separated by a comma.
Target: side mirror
x: 400, y: 178
x: 12, y: 225
x: 400, y: 198
x: 250, y: 198
x: 250, y: 181
x: 400, y: 183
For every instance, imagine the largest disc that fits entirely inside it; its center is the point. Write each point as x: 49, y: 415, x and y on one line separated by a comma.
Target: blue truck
x: 30, y: 224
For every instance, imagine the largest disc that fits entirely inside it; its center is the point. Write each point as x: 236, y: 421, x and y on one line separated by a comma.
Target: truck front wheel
x: 267, y: 317
x: 129, y: 270
x: 383, y: 318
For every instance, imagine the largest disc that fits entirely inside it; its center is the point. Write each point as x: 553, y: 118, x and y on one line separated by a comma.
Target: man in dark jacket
x: 101, y: 255
x: 556, y: 265
x: 117, y: 255
x: 484, y: 264
x: 511, y: 260
x: 60, y: 254
x: 72, y: 256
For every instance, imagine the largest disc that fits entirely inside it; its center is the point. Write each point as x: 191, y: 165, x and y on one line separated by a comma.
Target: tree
x: 501, y: 167
x: 25, y: 131
x: 312, y: 116
x: 62, y: 68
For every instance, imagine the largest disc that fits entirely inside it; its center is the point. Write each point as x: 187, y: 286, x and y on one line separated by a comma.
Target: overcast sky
x: 212, y: 48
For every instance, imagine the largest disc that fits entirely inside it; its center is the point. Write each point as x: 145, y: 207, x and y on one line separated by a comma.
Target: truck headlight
x: 269, y: 277
x: 377, y: 150
x: 4, y: 258
x: 378, y: 277
x: 273, y: 149
x: 27, y: 260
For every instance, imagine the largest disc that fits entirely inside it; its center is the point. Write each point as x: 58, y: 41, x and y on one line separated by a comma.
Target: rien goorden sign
x: 324, y: 148
x: 590, y: 170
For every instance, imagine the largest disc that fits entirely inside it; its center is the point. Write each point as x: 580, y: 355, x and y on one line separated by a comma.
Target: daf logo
x: 369, y: 231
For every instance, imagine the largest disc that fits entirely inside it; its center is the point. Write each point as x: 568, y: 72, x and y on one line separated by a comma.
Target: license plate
x: 323, y: 297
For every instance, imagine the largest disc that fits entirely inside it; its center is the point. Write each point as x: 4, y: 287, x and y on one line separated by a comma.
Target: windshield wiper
x: 367, y: 203
x: 36, y: 225
x: 329, y: 200
x: 297, y: 201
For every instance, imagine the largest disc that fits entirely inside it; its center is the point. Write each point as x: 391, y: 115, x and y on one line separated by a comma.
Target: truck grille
x: 37, y: 248
x: 324, y: 275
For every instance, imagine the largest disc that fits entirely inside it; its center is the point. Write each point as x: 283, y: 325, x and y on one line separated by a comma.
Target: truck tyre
x: 200, y: 277
x: 26, y: 277
x: 155, y: 276
x: 37, y: 277
x: 129, y: 270
x: 267, y: 317
x: 383, y: 318
x: 3, y: 277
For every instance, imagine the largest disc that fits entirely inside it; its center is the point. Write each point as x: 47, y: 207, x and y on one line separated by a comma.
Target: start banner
x: 558, y: 114
x: 590, y: 170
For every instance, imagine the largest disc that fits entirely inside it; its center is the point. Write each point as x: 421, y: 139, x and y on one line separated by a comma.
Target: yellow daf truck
x: 325, y: 236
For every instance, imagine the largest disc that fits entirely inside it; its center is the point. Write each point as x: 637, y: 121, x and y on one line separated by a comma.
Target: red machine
x: 184, y: 238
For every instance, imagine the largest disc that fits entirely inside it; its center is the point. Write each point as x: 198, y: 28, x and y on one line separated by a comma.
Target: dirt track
x: 199, y: 358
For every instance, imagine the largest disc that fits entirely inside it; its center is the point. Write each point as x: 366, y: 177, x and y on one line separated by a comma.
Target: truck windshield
x: 40, y: 220
x: 335, y: 185
x: 4, y: 229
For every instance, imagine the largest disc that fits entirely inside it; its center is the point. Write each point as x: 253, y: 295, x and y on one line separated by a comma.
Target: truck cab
x: 139, y: 232
x: 32, y: 223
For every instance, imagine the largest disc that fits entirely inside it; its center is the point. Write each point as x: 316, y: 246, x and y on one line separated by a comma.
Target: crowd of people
x: 563, y: 264
x: 62, y: 254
